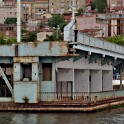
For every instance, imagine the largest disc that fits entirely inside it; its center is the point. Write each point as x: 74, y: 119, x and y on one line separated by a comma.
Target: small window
x: 47, y: 71
x: 26, y: 71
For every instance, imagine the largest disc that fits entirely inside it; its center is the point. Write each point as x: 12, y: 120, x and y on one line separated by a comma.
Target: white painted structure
x: 88, y: 77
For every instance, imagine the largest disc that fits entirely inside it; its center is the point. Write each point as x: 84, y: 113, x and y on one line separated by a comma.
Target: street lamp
x: 57, y: 31
x: 18, y: 21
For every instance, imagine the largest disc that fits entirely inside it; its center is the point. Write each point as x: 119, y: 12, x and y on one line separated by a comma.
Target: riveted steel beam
x: 93, y: 57
x: 117, y: 62
x: 106, y: 60
x: 81, y: 54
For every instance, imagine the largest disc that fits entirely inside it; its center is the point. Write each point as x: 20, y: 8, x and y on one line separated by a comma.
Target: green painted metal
x: 81, y: 55
x: 117, y: 62
x: 106, y: 60
x: 94, y: 57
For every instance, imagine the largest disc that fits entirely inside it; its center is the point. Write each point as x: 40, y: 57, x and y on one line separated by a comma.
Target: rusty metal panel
x: 24, y: 90
x: 26, y: 59
x: 43, y: 49
x: 6, y: 50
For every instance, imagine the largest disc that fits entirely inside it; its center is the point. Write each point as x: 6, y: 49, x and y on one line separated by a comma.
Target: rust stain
x: 50, y: 46
x: 35, y: 44
x: 24, y: 59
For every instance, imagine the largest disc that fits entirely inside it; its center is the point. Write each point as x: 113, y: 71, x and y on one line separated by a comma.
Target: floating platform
x: 62, y: 106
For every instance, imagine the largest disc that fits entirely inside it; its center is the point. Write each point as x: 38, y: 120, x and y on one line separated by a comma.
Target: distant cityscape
x: 33, y: 12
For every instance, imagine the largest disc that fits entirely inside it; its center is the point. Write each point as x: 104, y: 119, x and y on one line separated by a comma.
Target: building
x: 33, y: 9
x: 62, y: 6
x: 9, y: 30
x: 116, y: 5
x: 93, y: 24
x: 7, y: 12
x: 115, y: 24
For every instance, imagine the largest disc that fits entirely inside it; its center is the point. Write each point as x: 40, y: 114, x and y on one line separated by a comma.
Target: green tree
x: 93, y: 6
x: 57, y: 20
x: 29, y: 37
x: 10, y: 21
x: 116, y: 39
x: 2, y: 38
x: 80, y: 11
x: 101, y: 5
x: 11, y: 40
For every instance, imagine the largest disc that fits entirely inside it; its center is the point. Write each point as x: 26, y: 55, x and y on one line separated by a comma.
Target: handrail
x: 100, y: 44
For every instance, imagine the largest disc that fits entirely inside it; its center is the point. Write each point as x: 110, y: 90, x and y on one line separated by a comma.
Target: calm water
x: 107, y: 117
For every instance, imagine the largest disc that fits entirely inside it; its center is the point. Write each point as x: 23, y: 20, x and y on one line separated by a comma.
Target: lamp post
x: 18, y: 21
x: 57, y: 31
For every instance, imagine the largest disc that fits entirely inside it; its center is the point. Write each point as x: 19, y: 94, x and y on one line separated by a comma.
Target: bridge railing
x: 98, y: 43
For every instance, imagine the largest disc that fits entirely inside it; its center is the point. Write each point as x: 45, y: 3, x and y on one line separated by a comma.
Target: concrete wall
x: 81, y: 82
x: 107, y: 80
x: 65, y: 74
x: 96, y: 81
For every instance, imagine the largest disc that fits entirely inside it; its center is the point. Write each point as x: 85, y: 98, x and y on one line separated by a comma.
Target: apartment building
x: 62, y: 6
x: 93, y: 24
x: 6, y: 12
x: 116, y: 5
x: 33, y: 9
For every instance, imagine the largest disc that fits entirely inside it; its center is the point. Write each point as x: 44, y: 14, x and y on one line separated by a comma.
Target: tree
x: 80, y: 11
x: 29, y: 37
x: 116, y: 39
x: 101, y: 5
x: 32, y: 36
x: 57, y: 20
x: 11, y: 40
x: 10, y: 21
x: 2, y: 38
x: 93, y: 6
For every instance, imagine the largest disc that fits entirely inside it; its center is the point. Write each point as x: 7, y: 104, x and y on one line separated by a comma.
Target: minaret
x: 18, y: 21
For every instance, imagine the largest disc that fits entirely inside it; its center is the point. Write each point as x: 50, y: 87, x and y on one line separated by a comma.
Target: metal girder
x: 117, y: 62
x: 6, y: 80
x: 106, y: 60
x: 81, y: 55
x: 94, y: 57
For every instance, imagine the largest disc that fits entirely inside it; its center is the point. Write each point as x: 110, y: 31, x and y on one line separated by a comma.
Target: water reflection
x: 106, y: 117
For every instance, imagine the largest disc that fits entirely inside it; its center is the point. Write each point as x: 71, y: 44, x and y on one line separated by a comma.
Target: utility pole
x: 73, y: 14
x: 18, y: 21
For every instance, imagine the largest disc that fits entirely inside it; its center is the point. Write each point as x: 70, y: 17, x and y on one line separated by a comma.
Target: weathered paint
x: 7, y: 50
x: 25, y: 89
x: 6, y: 60
x: 26, y: 59
x: 49, y: 87
x: 43, y: 49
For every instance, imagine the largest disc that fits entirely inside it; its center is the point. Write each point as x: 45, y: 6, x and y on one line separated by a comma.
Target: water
x: 115, y: 116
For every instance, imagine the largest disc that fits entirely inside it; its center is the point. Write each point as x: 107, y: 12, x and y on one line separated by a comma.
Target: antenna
x: 18, y: 21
